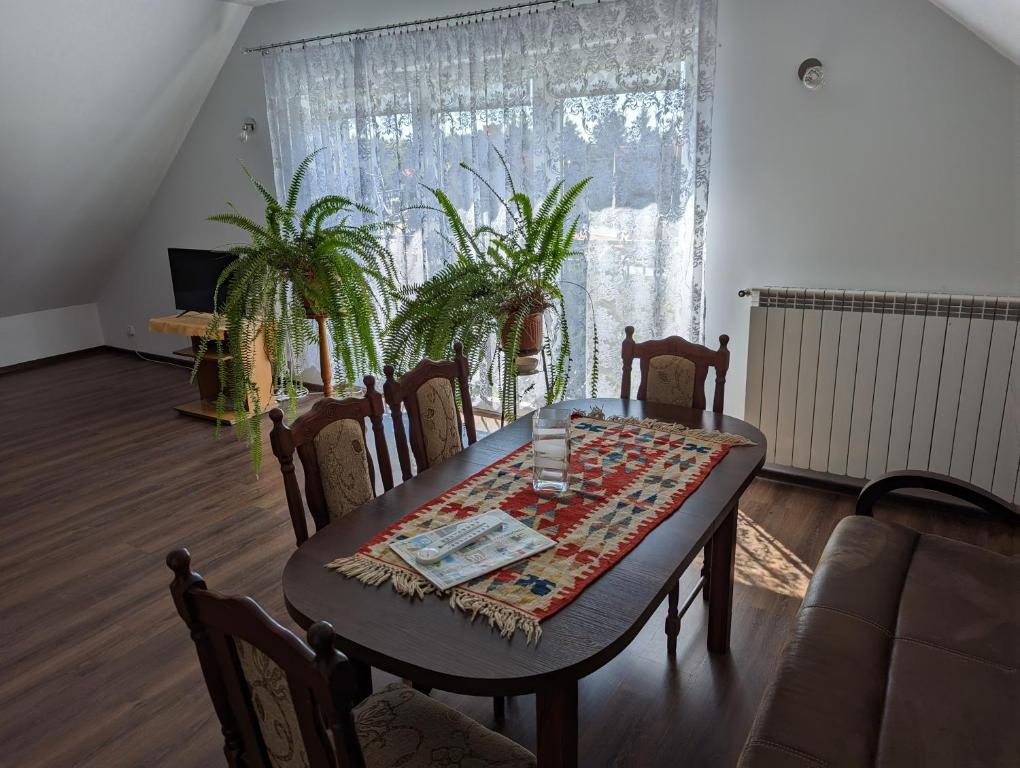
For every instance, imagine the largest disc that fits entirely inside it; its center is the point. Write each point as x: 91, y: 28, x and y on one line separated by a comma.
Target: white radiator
x: 857, y: 383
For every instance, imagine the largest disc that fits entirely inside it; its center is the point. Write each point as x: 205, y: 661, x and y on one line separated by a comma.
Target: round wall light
x: 811, y: 74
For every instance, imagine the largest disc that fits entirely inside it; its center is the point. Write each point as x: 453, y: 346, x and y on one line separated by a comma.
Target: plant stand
x: 290, y: 368
x: 325, y: 359
x: 326, y: 362
x: 196, y: 325
x: 540, y: 368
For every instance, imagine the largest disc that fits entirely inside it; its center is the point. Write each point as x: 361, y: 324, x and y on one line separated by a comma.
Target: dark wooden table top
x: 429, y: 642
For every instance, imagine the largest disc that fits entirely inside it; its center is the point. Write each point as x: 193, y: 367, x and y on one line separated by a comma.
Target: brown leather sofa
x: 904, y: 653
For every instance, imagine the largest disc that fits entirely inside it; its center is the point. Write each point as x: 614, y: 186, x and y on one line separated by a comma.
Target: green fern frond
x: 293, y: 262
x: 495, y: 280
x: 294, y: 190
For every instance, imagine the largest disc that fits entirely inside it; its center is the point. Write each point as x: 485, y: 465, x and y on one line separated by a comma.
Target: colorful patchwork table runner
x: 628, y: 476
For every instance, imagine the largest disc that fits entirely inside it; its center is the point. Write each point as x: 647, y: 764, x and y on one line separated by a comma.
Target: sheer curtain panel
x: 619, y: 91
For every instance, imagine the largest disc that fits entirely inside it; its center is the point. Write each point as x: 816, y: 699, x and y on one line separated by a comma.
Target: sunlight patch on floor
x: 764, y: 561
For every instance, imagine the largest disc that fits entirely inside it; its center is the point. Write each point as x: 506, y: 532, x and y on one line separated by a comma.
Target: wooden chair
x: 673, y: 372
x: 429, y: 393
x: 283, y: 704
x: 331, y: 442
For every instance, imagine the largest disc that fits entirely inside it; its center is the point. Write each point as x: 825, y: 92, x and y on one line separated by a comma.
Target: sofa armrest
x: 932, y: 481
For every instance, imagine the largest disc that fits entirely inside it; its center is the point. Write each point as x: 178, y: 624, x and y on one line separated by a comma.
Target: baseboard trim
x: 147, y: 356
x: 851, y: 486
x: 44, y: 361
x: 808, y: 478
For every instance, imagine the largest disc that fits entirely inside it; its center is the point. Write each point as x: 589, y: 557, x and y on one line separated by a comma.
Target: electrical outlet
x: 130, y: 330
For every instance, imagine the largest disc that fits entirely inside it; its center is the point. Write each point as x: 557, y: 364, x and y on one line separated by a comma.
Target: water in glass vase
x: 551, y: 444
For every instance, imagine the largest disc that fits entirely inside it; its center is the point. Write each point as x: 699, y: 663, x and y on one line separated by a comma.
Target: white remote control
x: 467, y: 532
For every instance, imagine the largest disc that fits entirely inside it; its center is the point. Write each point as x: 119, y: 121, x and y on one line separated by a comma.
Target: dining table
x: 425, y: 641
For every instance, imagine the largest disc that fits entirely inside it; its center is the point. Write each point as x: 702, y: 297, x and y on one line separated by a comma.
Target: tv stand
x: 207, y: 377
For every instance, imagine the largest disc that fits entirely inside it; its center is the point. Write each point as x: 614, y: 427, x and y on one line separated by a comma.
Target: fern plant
x: 493, y: 283
x: 297, y: 265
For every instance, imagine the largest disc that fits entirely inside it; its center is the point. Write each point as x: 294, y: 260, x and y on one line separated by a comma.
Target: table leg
x: 706, y: 570
x: 673, y: 619
x: 556, y: 713
x: 720, y: 584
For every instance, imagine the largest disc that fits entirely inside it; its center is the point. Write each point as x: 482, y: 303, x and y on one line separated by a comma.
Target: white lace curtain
x: 619, y: 91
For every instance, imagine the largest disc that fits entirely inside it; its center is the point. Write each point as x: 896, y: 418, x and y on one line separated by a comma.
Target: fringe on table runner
x: 374, y: 572
x: 505, y: 618
x: 711, y: 435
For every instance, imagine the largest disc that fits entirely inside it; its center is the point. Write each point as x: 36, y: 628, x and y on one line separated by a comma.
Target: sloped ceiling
x: 95, y: 99
x: 996, y: 21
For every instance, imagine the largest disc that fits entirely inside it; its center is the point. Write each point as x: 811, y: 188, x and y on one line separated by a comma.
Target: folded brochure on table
x: 511, y: 542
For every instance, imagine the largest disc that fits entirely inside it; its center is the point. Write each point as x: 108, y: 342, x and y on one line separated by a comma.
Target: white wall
x: 206, y: 174
x: 897, y: 174
x: 35, y: 335
x: 95, y: 99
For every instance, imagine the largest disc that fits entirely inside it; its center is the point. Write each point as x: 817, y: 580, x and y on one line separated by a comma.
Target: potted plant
x: 299, y: 265
x: 498, y: 284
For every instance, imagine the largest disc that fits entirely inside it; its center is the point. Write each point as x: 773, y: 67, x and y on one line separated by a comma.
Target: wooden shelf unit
x: 195, y: 325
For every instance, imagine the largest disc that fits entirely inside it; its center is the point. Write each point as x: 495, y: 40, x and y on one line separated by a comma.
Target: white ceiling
x: 996, y: 21
x: 95, y: 99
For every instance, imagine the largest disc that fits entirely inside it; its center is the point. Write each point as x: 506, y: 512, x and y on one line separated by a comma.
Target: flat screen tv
x: 194, y: 274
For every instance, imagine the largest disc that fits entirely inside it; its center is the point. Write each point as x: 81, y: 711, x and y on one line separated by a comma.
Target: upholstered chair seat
x: 400, y: 726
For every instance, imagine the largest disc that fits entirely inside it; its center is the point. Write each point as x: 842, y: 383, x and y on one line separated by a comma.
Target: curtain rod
x: 406, y: 24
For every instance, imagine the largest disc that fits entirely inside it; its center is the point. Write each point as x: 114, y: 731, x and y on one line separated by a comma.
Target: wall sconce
x: 811, y: 74
x: 247, y: 129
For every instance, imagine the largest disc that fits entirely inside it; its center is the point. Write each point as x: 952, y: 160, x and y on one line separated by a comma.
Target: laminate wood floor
x: 101, y: 477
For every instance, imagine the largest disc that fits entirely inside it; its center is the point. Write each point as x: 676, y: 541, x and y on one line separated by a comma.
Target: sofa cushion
x: 905, y: 652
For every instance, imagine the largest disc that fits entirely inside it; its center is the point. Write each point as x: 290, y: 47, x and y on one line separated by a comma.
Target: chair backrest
x: 280, y: 703
x: 429, y: 393
x: 331, y: 442
x: 673, y: 370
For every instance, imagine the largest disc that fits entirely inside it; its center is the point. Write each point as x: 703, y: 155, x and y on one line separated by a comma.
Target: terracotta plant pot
x: 526, y: 366
x: 531, y: 333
